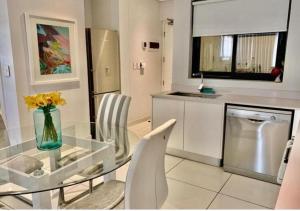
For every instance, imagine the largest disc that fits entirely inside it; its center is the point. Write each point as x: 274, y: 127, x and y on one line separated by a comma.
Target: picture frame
x: 52, y: 49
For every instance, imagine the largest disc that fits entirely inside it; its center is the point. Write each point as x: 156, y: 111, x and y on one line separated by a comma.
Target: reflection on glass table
x: 86, y: 152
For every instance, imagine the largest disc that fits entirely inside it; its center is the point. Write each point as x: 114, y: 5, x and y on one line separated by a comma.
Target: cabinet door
x: 203, y: 128
x: 164, y: 110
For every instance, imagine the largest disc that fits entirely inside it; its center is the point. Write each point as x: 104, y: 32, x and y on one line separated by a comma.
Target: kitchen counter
x: 289, y: 195
x: 239, y: 99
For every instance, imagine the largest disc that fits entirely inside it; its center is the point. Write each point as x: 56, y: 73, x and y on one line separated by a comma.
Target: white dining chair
x: 111, y: 125
x: 111, y: 121
x: 112, y: 112
x: 146, y: 185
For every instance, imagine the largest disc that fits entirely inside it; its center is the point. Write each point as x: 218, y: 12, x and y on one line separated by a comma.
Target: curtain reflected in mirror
x: 256, y: 53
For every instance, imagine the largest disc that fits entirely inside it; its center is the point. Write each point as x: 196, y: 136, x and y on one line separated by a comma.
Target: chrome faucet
x: 202, y: 83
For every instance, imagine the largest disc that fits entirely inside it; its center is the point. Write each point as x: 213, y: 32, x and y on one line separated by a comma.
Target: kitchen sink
x: 201, y: 95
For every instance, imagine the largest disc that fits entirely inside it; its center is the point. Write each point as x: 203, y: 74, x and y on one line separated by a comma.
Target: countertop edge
x: 259, y: 101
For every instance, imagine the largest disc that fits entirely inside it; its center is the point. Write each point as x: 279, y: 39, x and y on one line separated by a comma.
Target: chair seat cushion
x: 106, y: 196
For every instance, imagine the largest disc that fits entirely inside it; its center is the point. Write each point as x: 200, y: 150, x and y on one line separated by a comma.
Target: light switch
x: 139, y: 65
x: 144, y: 45
x: 107, y: 71
x: 142, y: 65
x: 6, y: 71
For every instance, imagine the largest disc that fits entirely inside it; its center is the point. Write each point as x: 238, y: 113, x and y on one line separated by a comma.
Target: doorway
x: 167, y: 54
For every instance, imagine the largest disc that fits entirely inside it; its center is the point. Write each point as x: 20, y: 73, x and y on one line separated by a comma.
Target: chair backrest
x: 112, y: 113
x: 112, y: 123
x: 146, y: 184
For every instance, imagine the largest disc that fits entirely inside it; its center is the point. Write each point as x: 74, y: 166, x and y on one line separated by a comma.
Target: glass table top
x: 87, y: 153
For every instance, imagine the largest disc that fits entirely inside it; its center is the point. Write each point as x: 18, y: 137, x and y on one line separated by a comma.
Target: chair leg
x: 62, y: 200
x: 62, y: 196
x: 90, y: 186
x: 110, y: 176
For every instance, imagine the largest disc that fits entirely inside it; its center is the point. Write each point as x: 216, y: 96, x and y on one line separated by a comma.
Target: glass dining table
x: 89, y: 151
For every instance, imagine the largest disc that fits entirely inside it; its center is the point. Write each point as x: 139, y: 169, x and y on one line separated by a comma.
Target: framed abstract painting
x: 52, y: 49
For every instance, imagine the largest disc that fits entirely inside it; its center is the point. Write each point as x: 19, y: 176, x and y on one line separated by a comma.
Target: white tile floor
x: 200, y: 175
x: 195, y: 185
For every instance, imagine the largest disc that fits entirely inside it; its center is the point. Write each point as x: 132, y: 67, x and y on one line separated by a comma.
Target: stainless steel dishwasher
x: 255, y: 139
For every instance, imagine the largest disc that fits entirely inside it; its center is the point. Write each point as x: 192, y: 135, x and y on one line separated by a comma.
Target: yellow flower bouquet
x: 44, y: 100
x: 46, y: 119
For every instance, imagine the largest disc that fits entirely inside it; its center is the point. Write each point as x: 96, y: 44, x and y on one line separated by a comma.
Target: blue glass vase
x: 47, y: 128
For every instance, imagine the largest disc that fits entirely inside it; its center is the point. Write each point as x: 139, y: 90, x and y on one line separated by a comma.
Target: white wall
x: 124, y: 45
x: 140, y: 21
x: 182, y: 58
x: 88, y: 13
x: 75, y: 94
x: 10, y: 104
x: 166, y: 9
x: 106, y: 16
x: 102, y: 14
x: 292, y: 76
x: 181, y: 47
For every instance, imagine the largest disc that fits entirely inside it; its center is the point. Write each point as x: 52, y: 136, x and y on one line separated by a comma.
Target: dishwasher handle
x: 256, y: 120
x: 285, y: 160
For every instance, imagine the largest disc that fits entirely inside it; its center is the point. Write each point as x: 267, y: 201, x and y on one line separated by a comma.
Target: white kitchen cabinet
x: 203, y: 128
x: 164, y: 110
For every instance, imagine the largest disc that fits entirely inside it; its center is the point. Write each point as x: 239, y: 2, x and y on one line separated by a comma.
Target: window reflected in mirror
x: 216, y: 53
x: 255, y: 56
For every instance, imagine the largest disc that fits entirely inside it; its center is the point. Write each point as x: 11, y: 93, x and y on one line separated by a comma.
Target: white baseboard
x: 194, y: 157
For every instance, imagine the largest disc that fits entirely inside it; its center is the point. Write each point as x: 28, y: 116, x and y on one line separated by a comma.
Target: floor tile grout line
x: 174, y: 166
x: 212, y: 201
x: 237, y: 197
x: 191, y: 184
x: 245, y: 200
x: 225, y: 183
x: 194, y: 184
x: 219, y: 191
